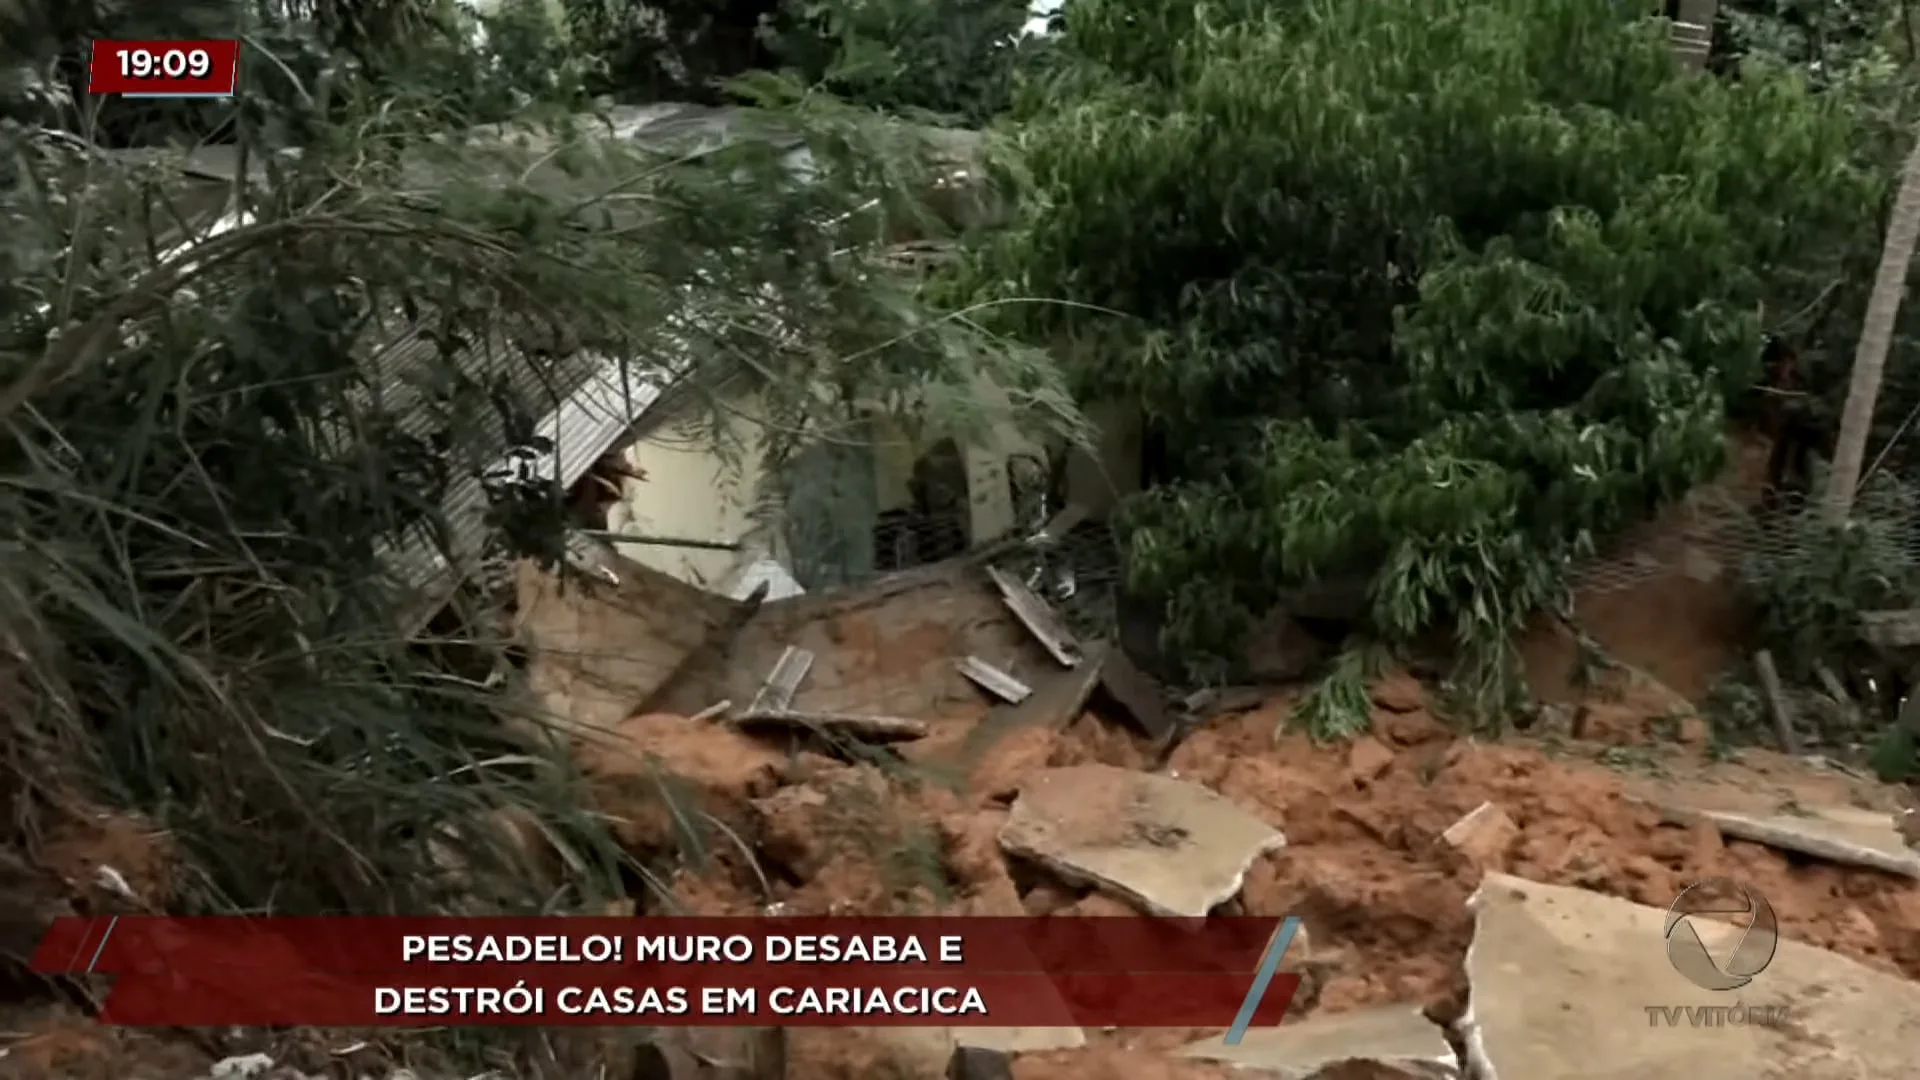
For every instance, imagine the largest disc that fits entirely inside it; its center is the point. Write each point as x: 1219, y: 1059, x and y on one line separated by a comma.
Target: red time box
x: 165, y: 68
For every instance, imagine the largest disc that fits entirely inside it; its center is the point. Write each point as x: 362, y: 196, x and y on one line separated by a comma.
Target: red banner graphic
x: 403, y: 945
x: 866, y: 996
x: 909, y: 972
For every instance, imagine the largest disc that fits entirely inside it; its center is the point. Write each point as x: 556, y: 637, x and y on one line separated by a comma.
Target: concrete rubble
x: 1565, y: 982
x: 1483, y: 836
x: 1167, y: 846
x: 1562, y: 982
x: 1395, y: 1041
x: 1843, y: 834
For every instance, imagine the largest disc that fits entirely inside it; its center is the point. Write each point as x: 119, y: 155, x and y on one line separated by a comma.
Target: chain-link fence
x: 1715, y: 532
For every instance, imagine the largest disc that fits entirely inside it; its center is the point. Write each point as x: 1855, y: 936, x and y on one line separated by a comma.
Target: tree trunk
x: 1876, y: 338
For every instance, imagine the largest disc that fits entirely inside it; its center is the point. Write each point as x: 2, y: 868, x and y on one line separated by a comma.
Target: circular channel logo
x: 1751, y: 952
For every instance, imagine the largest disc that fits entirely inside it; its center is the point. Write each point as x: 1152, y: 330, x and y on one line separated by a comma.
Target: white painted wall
x: 692, y: 493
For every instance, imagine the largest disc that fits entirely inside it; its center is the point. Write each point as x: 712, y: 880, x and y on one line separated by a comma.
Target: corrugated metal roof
x: 586, y: 401
x: 601, y: 404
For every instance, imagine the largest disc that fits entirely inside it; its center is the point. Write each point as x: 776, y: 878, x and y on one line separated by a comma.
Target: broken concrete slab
x: 1483, y: 836
x: 1843, y: 834
x: 1396, y: 1040
x: 1565, y: 982
x: 1170, y: 847
x: 599, y: 654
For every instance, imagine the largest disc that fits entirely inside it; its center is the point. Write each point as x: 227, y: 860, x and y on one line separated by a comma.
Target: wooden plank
x: 993, y: 680
x: 1776, y: 702
x: 855, y: 725
x: 1056, y: 702
x: 783, y: 682
x: 1135, y: 692
x: 1038, y: 617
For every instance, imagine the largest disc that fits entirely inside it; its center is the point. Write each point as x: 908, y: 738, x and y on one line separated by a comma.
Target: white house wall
x: 693, y: 493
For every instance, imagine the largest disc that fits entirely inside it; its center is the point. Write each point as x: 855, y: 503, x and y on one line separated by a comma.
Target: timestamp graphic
x: 165, y: 68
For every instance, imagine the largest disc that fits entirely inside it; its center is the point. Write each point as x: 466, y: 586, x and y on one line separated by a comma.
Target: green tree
x: 956, y: 59
x: 1437, y: 294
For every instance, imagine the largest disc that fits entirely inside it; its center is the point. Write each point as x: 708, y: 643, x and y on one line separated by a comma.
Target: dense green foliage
x: 955, y: 59
x: 1433, y: 293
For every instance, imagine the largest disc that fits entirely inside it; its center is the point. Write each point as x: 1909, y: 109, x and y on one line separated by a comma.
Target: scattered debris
x: 851, y: 725
x: 979, y: 1063
x: 1169, y: 846
x: 993, y: 680
x: 713, y: 711
x: 1547, y: 960
x: 783, y: 682
x: 1397, y: 1041
x: 1842, y: 834
x: 1483, y: 836
x: 1038, y: 617
x: 1777, y: 705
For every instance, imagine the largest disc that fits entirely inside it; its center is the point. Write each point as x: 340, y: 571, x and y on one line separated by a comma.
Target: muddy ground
x: 1382, y: 895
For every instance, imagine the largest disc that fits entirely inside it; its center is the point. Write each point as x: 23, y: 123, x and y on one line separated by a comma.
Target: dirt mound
x: 1382, y: 894
x: 1663, y: 599
x: 1375, y: 862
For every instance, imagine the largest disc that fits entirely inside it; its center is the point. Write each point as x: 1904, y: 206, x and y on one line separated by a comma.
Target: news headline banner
x: 1130, y: 972
x: 1051, y: 944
